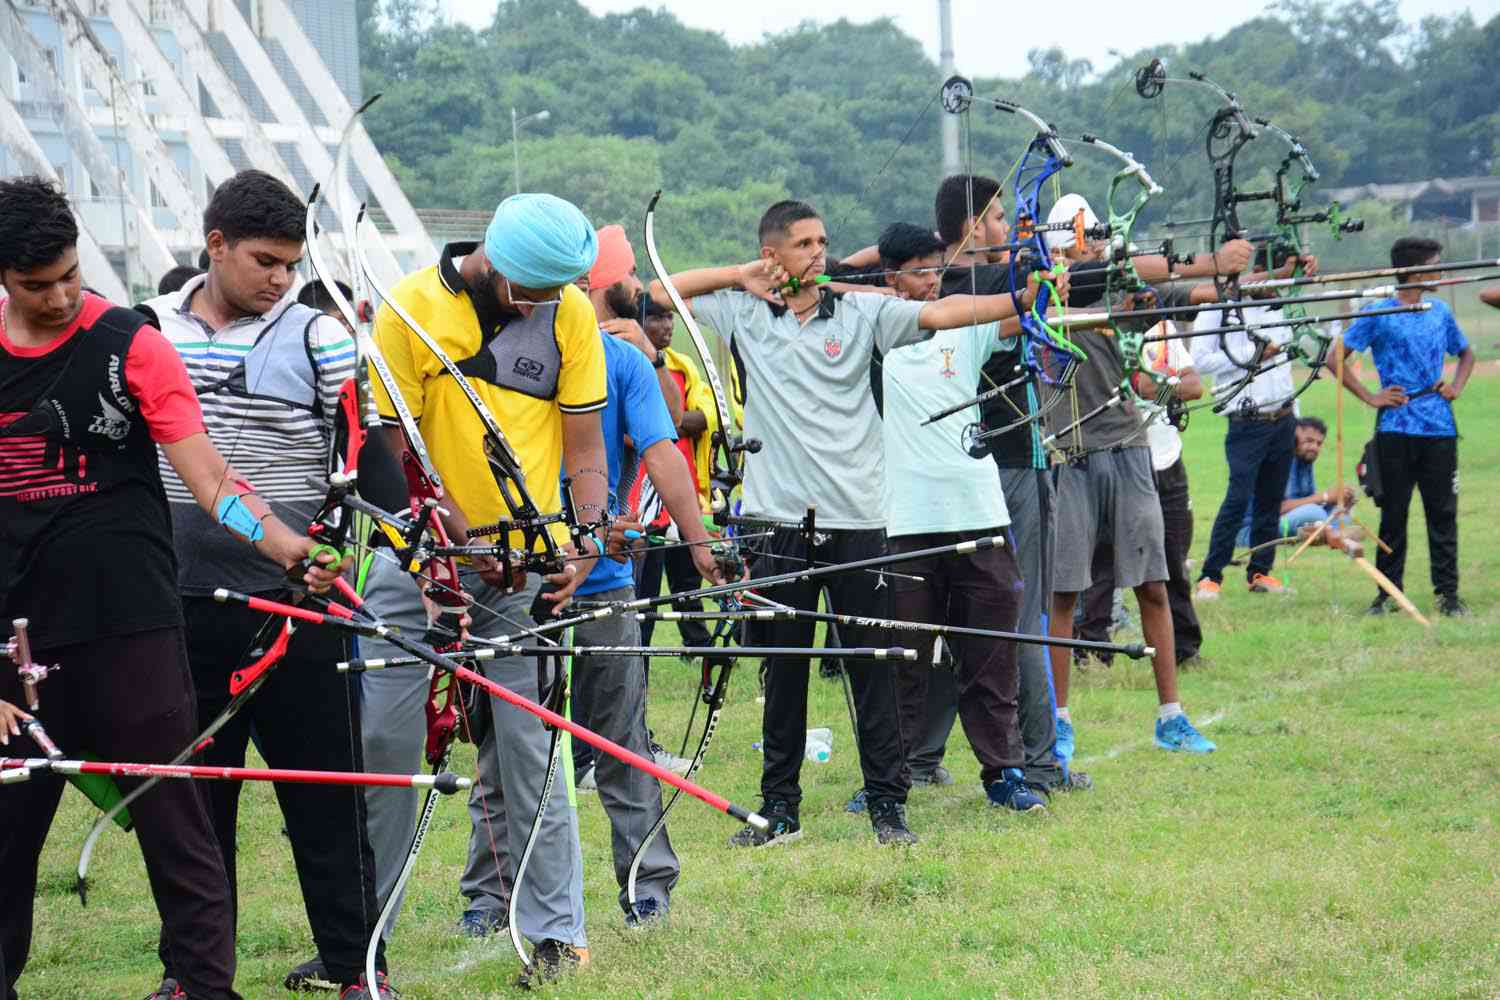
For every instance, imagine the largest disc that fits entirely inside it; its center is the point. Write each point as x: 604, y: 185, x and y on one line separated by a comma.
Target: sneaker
x: 1452, y: 606
x: 1073, y: 781
x: 551, y: 960
x: 857, y: 803
x: 361, y: 990
x: 1207, y: 590
x: 309, y: 977
x: 482, y: 922
x: 1012, y: 792
x: 647, y: 913
x: 669, y: 761
x: 784, y: 827
x: 888, y: 817
x: 1382, y: 605
x: 168, y: 990
x: 939, y: 775
x: 1177, y: 733
x: 586, y: 781
x: 1194, y: 661
x: 1063, y: 748
x: 1260, y: 583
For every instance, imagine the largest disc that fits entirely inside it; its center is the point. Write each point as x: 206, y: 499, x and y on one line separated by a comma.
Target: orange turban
x: 616, y: 257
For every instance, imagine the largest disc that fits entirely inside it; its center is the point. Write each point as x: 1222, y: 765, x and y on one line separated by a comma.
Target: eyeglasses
x: 510, y: 293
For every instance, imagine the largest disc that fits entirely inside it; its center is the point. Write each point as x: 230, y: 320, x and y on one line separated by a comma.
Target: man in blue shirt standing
x: 609, y: 692
x: 1416, y: 438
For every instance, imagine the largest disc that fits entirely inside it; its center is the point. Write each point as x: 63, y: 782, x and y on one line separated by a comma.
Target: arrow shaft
x: 118, y: 769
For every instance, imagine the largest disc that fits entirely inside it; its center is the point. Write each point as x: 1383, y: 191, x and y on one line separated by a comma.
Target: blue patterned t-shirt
x: 1409, y: 351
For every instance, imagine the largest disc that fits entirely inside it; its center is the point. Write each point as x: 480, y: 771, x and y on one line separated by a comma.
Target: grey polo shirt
x: 808, y: 400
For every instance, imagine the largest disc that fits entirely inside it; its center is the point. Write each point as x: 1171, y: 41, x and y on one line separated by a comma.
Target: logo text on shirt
x: 117, y: 385
x: 111, y: 423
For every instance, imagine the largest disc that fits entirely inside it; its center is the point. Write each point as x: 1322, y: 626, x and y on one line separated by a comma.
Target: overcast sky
x: 984, y: 30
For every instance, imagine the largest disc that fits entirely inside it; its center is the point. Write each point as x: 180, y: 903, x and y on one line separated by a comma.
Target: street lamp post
x: 515, y: 145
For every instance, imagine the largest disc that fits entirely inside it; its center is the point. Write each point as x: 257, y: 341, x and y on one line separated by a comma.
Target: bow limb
x: 441, y: 711
x: 726, y: 451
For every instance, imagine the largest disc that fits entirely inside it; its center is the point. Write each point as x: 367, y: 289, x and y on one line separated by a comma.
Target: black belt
x: 1265, y: 418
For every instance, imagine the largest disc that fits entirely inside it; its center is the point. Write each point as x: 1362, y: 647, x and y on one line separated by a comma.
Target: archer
x: 90, y: 391
x: 807, y: 353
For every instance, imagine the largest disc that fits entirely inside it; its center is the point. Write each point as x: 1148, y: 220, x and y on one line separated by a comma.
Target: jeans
x: 1029, y: 497
x: 1295, y: 520
x: 1260, y: 455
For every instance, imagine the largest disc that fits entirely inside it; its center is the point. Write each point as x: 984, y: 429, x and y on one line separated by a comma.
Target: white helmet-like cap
x: 1066, y: 209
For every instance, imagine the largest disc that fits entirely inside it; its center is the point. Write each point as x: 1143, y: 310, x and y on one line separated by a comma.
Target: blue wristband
x: 234, y: 515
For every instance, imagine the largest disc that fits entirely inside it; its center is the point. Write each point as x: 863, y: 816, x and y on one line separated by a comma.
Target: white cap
x: 1066, y: 209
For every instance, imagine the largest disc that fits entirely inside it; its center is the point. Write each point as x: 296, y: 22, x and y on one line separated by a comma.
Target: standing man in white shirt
x: 937, y: 493
x: 1260, y: 442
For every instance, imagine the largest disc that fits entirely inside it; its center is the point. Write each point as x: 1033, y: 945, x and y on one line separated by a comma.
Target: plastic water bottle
x: 819, y: 745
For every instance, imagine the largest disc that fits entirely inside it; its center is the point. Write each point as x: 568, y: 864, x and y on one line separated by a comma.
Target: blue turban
x: 540, y: 241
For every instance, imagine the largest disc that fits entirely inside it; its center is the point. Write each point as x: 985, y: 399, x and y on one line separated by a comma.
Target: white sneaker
x: 1206, y: 590
x: 586, y: 781
x: 666, y: 759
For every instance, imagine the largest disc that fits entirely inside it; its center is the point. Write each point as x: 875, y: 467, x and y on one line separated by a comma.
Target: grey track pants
x: 609, y: 696
x: 512, y: 766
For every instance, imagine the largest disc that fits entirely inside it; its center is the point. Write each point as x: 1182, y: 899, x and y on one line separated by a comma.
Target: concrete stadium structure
x: 139, y: 107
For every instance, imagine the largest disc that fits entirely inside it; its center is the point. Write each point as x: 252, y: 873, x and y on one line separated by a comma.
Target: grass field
x: 1342, y: 843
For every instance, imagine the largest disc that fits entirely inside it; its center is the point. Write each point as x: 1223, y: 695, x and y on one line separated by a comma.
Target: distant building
x: 1457, y: 199
x: 171, y: 96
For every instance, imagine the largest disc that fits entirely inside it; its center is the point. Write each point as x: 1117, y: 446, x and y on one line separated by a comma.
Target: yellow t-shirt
x: 700, y: 397
x: 530, y: 420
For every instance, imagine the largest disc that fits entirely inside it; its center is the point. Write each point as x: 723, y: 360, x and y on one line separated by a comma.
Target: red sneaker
x: 1260, y: 583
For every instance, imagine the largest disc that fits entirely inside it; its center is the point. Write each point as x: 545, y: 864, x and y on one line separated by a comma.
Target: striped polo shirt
x: 269, y: 387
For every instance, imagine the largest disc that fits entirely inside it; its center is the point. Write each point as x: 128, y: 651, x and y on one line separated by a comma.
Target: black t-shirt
x: 1022, y: 447
x: 85, y: 534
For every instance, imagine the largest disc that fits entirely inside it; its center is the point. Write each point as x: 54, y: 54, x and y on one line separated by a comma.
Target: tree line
x: 845, y: 115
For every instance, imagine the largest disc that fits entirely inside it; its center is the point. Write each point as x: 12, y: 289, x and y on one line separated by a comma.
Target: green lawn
x: 1341, y: 843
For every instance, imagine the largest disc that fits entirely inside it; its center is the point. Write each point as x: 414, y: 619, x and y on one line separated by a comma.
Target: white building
x: 139, y: 107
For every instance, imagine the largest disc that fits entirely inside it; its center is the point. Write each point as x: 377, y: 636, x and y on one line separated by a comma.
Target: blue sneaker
x: 1012, y: 792
x: 482, y: 922
x: 1177, y: 733
x: 856, y: 804
x: 648, y: 912
x: 1063, y: 748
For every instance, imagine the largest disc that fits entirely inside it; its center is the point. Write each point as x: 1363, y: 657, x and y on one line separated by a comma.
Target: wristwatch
x: 661, y: 360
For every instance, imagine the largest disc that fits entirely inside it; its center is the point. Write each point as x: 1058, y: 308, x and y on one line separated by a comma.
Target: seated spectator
x: 1305, y: 506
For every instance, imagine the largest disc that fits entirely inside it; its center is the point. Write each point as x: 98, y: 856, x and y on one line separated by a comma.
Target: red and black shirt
x: 85, y: 534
